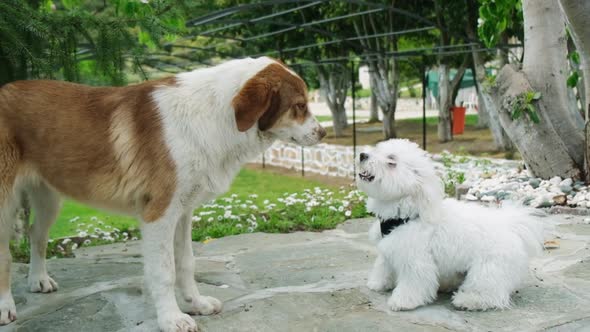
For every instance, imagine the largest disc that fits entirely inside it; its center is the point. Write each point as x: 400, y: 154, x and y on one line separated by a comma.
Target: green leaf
x: 536, y: 96
x: 70, y: 4
x: 575, y: 56
x: 572, y: 80
x: 516, y: 114
x: 146, y: 39
x: 46, y: 6
x: 534, y: 116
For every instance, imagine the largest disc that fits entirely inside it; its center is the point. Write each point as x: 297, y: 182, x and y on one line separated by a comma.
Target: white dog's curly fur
x: 446, y: 244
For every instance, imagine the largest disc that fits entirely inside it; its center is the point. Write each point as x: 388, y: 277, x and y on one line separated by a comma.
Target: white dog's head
x: 398, y: 170
x: 275, y: 100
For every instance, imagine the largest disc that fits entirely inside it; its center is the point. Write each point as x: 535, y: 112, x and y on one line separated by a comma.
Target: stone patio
x: 299, y: 282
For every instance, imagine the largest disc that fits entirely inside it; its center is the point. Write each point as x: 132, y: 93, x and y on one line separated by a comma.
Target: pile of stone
x: 494, y: 180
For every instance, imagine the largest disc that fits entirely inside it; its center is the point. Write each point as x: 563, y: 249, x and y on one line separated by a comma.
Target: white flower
x: 144, y: 1
x: 196, y: 218
x: 250, y: 229
x: 93, y: 218
x: 74, y: 246
x: 253, y: 196
x: 254, y: 207
x: 219, y: 218
x: 66, y: 241
x: 74, y: 219
x: 348, y: 213
x: 340, y: 208
x: 266, y: 201
x: 210, y: 219
x: 239, y: 226
x: 87, y: 242
x: 134, y: 238
x: 82, y: 234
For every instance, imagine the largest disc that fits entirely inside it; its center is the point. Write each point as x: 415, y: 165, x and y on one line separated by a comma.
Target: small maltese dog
x: 426, y: 243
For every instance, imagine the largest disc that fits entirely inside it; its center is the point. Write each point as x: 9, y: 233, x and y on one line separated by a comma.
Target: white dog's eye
x: 391, y: 160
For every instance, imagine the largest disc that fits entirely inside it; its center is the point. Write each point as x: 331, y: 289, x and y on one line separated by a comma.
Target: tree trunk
x: 333, y: 86
x: 543, y: 151
x: 488, y: 116
x: 389, y: 130
x: 374, y: 104
x: 374, y: 109
x: 545, y: 66
x: 577, y: 14
x: 501, y: 139
x: 444, y: 104
x: 339, y: 120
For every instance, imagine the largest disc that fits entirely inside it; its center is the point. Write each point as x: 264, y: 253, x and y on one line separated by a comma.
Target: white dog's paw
x: 204, y: 305
x: 7, y: 310
x: 177, y: 322
x: 42, y: 283
x: 401, y: 303
x: 377, y: 284
x: 478, y: 302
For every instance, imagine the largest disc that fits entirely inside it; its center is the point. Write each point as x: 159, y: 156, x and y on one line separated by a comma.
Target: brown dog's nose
x: 321, y: 132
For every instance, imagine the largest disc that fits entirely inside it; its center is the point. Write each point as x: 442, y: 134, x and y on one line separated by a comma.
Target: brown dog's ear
x: 253, y: 100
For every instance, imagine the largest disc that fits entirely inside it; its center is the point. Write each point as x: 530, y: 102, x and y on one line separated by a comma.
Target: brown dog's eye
x: 301, y: 107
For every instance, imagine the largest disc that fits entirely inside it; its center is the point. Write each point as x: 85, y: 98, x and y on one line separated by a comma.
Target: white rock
x: 555, y: 180
x: 566, y: 182
x: 488, y: 198
x: 588, y: 204
x: 470, y: 197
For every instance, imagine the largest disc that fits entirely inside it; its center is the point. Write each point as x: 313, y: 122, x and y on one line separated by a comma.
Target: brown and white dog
x: 155, y: 150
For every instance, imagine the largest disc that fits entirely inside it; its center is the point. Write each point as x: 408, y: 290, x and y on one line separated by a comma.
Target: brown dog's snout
x: 321, y: 132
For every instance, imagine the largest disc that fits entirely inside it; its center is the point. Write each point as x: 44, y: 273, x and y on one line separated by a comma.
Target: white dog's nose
x: 364, y: 156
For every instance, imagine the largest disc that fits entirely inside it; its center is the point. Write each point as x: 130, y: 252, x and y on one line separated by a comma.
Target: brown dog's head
x: 275, y: 100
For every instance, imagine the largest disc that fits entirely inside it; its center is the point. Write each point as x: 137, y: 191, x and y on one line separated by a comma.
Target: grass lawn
x: 267, y: 185
x: 474, y: 141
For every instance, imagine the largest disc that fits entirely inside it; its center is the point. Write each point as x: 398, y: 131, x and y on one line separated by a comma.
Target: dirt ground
x: 473, y: 141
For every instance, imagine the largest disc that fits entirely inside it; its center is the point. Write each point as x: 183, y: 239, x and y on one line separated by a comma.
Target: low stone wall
x: 325, y: 159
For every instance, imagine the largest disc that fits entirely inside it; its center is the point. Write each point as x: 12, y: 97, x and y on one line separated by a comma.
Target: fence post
x: 353, y: 95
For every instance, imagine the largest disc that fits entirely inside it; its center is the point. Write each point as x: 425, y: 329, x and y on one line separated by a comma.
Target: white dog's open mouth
x: 366, y: 176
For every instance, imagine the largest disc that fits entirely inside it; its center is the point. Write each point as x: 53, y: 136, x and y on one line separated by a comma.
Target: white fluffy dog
x: 426, y: 243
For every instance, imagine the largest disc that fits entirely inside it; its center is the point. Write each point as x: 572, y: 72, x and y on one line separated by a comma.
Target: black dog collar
x: 388, y: 225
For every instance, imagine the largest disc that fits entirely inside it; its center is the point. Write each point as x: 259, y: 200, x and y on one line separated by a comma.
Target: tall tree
x: 487, y: 113
x: 577, y: 14
x: 450, y: 16
x: 53, y: 39
x: 533, y: 101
